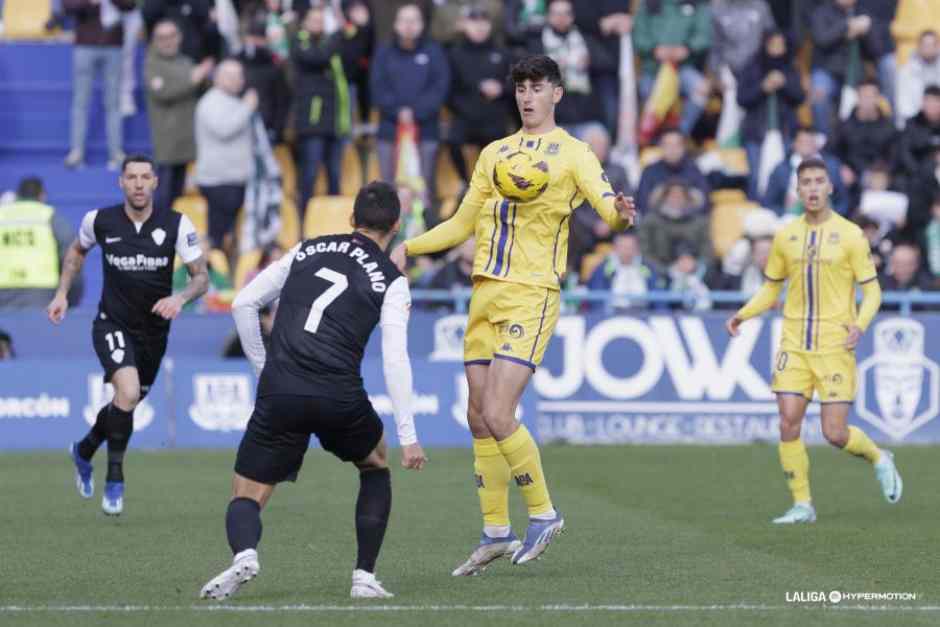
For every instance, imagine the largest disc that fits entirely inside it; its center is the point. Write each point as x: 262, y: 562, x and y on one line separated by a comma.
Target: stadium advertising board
x: 656, y: 378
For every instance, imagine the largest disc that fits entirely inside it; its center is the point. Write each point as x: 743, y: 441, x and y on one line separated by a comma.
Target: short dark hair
x: 30, y: 188
x: 535, y: 67
x: 932, y: 90
x: 927, y: 33
x: 377, y: 207
x: 811, y: 164
x: 138, y: 158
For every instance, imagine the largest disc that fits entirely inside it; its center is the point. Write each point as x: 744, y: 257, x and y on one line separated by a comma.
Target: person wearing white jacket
x: 224, y: 148
x: 920, y: 71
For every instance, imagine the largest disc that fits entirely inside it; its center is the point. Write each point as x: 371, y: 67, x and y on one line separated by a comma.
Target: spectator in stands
x: 865, y: 137
x: 322, y: 111
x: 923, y: 189
x: 479, y: 99
x: 33, y: 242
x: 196, y: 21
x: 385, y: 13
x: 881, y: 200
x: 686, y: 278
x: 674, y: 164
x: 913, y: 17
x: 269, y: 255
x: 133, y: 23
x: 905, y: 274
x: 883, y: 14
x: 446, y: 17
x: 676, y: 217
x: 578, y: 56
x: 173, y: 84
x: 524, y: 20
x: 931, y: 244
x: 358, y: 45
x: 921, y: 136
x: 606, y: 21
x: 880, y: 247
x: 456, y: 273
x: 273, y: 17
x: 224, y: 156
x: 841, y: 32
x: 739, y: 31
x: 625, y: 273
x: 410, y: 81
x: 6, y: 346
x: 265, y: 73
x: 770, y: 78
x: 921, y: 71
x: 677, y: 32
x: 781, y: 189
x: 742, y: 266
x: 99, y: 37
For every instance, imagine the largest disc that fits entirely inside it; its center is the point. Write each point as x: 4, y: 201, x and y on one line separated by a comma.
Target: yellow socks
x: 860, y: 445
x: 492, y: 476
x: 795, y: 464
x: 522, y: 454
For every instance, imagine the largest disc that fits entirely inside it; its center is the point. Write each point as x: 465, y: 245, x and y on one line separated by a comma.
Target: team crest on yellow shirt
x: 833, y: 238
x: 553, y: 148
x: 516, y: 331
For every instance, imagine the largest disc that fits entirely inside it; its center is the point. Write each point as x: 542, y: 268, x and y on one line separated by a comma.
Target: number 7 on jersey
x: 340, y: 283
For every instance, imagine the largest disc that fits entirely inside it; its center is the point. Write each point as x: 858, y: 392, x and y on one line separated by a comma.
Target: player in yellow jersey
x: 822, y: 257
x: 521, y: 251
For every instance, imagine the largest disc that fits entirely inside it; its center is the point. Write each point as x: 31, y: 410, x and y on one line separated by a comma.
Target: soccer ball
x: 520, y: 176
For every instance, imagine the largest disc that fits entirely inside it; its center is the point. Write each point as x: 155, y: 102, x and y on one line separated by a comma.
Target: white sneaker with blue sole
x: 488, y: 551
x: 799, y: 513
x: 888, y: 476
x: 244, y: 568
x: 537, y: 538
x: 112, y: 503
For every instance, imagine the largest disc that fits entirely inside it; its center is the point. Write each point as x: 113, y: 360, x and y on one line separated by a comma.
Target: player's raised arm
x: 615, y: 209
x: 766, y: 297
x: 263, y: 289
x: 396, y: 309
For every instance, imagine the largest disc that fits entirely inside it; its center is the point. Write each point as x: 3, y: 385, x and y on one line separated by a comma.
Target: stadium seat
x: 328, y: 215
x: 26, y: 19
x: 246, y: 263
x: 727, y: 224
x: 219, y: 261
x: 195, y: 208
x: 290, y: 224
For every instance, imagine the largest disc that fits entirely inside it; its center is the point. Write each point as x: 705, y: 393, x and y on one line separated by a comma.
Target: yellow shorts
x: 510, y: 321
x: 831, y: 375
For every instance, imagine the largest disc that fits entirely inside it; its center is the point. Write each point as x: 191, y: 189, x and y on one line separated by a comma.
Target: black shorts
x: 278, y: 434
x: 118, y: 348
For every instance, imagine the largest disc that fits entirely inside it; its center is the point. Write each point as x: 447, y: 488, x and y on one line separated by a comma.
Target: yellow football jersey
x: 822, y: 264
x: 525, y: 242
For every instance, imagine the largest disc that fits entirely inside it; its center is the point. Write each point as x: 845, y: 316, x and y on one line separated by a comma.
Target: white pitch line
x: 458, y: 608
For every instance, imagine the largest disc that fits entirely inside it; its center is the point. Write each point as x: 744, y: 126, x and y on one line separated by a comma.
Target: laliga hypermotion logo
x: 901, y: 373
x: 101, y: 393
x: 222, y: 402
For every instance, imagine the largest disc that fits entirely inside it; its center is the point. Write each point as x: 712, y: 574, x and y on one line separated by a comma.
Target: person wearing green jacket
x: 677, y: 32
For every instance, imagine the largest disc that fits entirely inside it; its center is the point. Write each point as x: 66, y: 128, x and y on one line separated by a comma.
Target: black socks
x: 243, y: 524
x: 120, y: 426
x: 372, y: 510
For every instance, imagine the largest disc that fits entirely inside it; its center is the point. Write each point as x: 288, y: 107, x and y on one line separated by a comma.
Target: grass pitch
x: 656, y: 536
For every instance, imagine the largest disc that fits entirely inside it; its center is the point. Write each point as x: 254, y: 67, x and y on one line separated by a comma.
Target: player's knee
x: 790, y: 428
x: 837, y: 436
x: 127, y: 396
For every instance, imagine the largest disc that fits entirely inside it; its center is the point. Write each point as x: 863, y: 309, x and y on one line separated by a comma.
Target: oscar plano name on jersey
x: 376, y: 277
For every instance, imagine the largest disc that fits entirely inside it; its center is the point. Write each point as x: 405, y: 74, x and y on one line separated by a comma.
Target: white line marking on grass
x: 66, y: 609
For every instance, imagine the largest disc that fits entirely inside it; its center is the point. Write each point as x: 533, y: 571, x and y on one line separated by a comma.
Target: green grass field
x: 673, y: 530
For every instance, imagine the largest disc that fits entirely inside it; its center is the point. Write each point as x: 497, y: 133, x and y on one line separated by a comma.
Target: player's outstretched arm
x: 615, y: 209
x: 765, y: 298
x: 71, y: 268
x: 397, y: 366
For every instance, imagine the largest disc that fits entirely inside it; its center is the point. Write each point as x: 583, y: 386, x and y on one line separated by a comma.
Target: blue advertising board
x: 646, y: 378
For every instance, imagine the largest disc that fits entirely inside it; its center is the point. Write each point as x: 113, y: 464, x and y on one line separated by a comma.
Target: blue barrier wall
x: 626, y: 379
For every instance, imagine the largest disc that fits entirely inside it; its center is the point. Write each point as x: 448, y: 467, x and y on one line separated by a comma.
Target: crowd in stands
x: 854, y: 82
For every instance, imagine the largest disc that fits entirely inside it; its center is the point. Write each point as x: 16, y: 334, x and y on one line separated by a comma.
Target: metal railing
x: 605, y: 301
